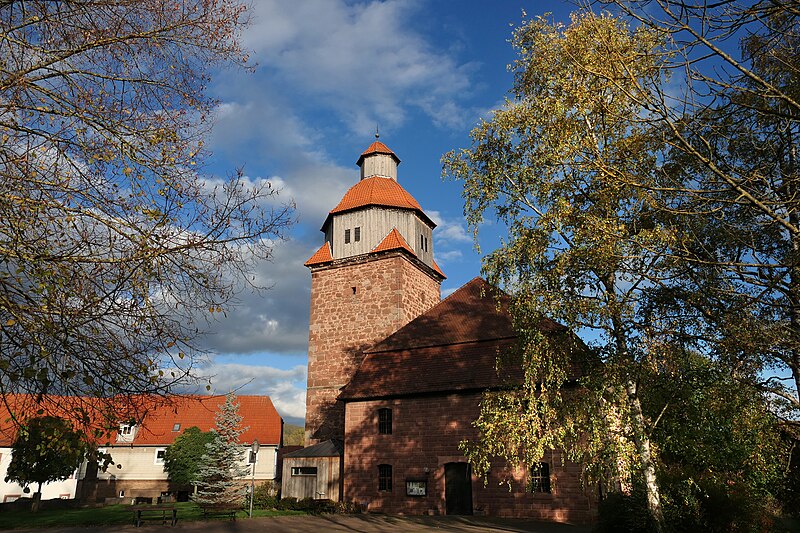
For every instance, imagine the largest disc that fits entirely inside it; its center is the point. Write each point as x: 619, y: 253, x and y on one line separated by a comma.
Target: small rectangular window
x: 252, y: 457
x: 160, y: 453
x: 304, y: 470
x: 347, y: 236
x: 539, y: 479
x: 422, y: 242
x: 176, y: 427
x: 385, y: 478
x: 357, y: 234
x: 385, y: 421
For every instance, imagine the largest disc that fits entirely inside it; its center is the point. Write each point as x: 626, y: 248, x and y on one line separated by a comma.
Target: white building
x: 138, y: 451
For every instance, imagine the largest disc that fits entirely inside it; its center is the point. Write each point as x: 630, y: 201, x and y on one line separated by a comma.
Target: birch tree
x: 731, y: 171
x: 115, y: 249
x: 554, y: 166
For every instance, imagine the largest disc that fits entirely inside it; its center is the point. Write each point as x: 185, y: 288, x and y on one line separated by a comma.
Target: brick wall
x: 425, y: 436
x: 355, y: 303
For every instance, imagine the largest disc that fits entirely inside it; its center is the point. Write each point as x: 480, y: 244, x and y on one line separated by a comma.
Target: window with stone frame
x: 385, y: 421
x: 539, y: 478
x: 385, y: 478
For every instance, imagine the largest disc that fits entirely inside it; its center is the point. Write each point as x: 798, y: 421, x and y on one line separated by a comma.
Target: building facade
x: 137, y: 450
x: 395, y: 376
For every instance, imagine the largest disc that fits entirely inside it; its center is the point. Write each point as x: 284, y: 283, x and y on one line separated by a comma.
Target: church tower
x: 374, y: 274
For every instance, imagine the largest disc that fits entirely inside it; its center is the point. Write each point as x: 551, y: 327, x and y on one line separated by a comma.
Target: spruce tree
x: 221, y: 465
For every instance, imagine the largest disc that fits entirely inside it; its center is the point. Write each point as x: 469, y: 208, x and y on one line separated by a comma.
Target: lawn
x: 109, y: 515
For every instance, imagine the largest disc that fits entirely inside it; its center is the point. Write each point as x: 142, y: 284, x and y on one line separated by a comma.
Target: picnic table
x: 154, y: 512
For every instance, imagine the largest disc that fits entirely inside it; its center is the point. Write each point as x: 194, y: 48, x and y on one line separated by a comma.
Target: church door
x: 458, y: 488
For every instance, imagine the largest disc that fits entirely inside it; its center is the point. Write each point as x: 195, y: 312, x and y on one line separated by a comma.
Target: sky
x: 328, y: 72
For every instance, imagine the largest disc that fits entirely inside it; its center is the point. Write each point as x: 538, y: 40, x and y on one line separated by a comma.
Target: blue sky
x: 328, y: 72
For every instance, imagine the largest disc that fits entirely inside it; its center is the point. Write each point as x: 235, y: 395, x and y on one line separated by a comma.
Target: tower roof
x: 323, y: 255
x: 393, y: 241
x: 377, y: 147
x: 378, y: 191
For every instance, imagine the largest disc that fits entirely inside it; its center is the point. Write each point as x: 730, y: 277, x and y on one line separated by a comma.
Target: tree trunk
x: 642, y: 442
x: 37, y: 500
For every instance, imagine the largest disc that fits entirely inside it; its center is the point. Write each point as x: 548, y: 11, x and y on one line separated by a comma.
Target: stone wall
x: 425, y: 436
x: 355, y: 303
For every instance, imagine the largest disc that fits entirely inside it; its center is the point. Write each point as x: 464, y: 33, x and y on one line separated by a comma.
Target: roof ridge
x: 370, y: 351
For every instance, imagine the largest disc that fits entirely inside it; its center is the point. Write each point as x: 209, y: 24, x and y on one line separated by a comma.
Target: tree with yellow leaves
x: 555, y: 166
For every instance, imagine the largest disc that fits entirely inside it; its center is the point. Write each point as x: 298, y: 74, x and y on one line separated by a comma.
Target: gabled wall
x: 425, y: 436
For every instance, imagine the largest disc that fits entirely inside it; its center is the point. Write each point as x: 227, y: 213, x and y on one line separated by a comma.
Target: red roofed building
x: 396, y: 377
x: 137, y: 447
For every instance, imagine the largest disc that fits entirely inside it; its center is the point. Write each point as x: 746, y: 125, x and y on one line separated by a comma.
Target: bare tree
x: 115, y: 249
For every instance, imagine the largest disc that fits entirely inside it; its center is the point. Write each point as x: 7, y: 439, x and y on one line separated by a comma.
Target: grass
x: 108, y: 515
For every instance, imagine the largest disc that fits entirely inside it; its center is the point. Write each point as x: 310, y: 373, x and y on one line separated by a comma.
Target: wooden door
x: 458, y: 488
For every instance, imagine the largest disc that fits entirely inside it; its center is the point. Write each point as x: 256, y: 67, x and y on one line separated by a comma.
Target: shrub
x: 265, y: 496
x: 715, y: 506
x: 287, y: 504
x: 349, y: 508
x: 309, y: 505
x: 623, y: 513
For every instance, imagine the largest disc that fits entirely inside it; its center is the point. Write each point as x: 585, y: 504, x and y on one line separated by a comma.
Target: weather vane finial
x: 377, y: 134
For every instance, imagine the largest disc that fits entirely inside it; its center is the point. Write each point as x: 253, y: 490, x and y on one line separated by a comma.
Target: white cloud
x: 449, y: 230
x: 446, y: 257
x: 363, y: 60
x: 286, y: 388
x: 261, y: 133
x: 275, y: 320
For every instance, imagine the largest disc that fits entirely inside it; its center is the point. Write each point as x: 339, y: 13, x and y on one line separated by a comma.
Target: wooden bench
x: 221, y: 509
x: 154, y: 512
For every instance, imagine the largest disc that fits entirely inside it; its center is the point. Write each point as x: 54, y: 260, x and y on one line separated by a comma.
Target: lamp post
x: 254, y: 456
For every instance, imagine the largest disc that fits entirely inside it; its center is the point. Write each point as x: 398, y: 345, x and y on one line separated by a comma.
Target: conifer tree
x: 222, y: 462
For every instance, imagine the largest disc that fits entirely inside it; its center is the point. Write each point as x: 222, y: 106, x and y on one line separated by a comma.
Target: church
x: 396, y: 375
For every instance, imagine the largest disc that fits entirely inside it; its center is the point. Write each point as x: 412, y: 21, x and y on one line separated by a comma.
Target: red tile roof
x: 378, y: 191
x: 468, y: 315
x: 258, y: 414
x: 377, y: 147
x: 394, y: 241
x: 451, y: 347
x: 459, y: 367
x: 323, y: 255
x: 439, y: 270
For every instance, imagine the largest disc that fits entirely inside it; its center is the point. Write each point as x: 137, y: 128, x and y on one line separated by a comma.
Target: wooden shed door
x: 458, y: 488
